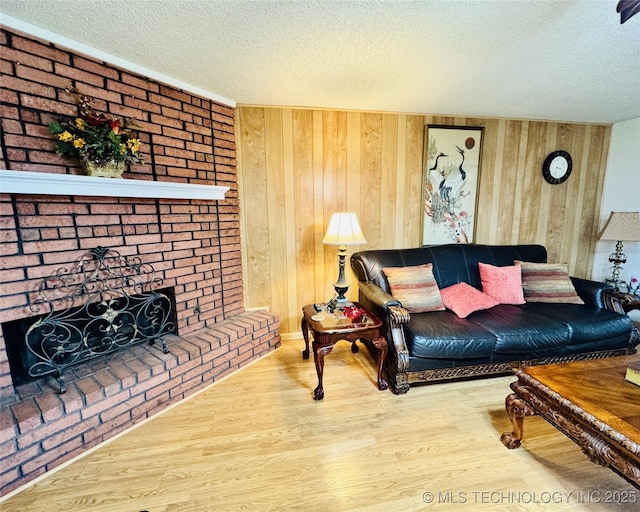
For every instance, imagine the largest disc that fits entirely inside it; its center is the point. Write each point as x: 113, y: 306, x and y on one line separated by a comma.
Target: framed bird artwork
x: 450, y: 183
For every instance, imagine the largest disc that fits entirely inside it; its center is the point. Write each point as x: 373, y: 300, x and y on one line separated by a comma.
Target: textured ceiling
x: 567, y: 60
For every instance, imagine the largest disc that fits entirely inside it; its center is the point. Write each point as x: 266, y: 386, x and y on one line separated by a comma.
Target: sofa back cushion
x: 452, y: 263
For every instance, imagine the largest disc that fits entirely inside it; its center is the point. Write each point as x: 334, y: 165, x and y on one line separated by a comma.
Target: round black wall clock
x: 557, y: 167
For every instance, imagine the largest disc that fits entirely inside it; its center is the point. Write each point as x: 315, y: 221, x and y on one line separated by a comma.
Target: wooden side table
x: 328, y: 329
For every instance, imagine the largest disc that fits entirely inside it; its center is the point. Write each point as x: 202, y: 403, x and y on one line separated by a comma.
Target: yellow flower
x: 79, y: 143
x: 134, y: 145
x: 65, y: 136
x: 123, y: 149
x: 80, y: 123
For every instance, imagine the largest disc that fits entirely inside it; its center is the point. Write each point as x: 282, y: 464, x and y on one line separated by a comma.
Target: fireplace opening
x: 106, y: 303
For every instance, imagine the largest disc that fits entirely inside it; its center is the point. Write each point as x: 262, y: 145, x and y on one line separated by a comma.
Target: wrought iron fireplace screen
x: 106, y: 303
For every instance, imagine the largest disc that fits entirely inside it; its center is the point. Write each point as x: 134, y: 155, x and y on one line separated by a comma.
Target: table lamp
x: 343, y: 230
x: 621, y: 227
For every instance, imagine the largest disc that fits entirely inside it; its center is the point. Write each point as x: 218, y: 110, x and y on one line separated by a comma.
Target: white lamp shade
x: 344, y: 230
x: 622, y: 227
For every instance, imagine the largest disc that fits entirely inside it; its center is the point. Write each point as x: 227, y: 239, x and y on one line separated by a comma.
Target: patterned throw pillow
x: 502, y: 283
x: 547, y: 282
x: 415, y: 287
x: 463, y: 299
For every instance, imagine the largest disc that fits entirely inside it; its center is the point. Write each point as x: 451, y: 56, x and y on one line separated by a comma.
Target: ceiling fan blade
x: 627, y: 8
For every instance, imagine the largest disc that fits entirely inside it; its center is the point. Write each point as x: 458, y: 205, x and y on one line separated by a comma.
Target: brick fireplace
x: 193, y: 245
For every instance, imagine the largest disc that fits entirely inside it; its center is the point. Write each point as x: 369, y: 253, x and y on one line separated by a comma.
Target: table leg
x: 304, y: 326
x: 382, y: 346
x: 319, y: 351
x: 517, y: 409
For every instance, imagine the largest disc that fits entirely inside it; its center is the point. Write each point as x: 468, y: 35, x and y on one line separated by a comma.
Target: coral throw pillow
x: 415, y: 287
x: 547, y: 282
x: 463, y: 299
x: 502, y: 283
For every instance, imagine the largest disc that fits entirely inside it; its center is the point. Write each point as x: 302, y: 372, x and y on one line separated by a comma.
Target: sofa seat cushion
x: 445, y: 335
x: 520, y: 331
x: 586, y: 324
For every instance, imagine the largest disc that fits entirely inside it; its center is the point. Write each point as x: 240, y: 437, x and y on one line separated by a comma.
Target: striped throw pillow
x: 415, y: 287
x: 547, y: 282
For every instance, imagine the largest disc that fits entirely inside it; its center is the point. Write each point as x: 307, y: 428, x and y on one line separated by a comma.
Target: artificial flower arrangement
x: 94, y: 138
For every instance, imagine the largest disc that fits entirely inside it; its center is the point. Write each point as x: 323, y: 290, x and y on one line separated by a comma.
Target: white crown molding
x: 89, y: 51
x: 42, y: 183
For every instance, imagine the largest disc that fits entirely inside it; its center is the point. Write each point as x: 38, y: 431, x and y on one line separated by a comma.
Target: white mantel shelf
x: 25, y: 182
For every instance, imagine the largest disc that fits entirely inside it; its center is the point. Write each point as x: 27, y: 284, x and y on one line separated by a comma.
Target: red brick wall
x: 193, y: 245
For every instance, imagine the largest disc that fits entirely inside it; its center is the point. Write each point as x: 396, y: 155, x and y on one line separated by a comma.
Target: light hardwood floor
x: 258, y: 441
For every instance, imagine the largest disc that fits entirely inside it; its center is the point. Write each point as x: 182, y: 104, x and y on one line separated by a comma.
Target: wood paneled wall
x: 298, y: 166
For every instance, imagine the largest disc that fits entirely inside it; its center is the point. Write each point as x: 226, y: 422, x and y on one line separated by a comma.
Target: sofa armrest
x: 377, y: 296
x: 393, y: 316
x: 399, y: 315
x: 383, y: 303
x: 620, y: 302
x: 591, y: 292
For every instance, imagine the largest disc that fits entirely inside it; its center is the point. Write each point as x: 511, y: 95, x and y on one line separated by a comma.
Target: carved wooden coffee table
x: 328, y: 329
x: 588, y: 401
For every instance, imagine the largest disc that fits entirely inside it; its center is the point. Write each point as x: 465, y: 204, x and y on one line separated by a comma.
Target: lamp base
x: 617, y: 258
x: 338, y: 304
x: 341, y: 285
x: 616, y: 283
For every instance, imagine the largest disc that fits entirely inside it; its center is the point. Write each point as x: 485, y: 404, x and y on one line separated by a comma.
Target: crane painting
x: 451, y: 178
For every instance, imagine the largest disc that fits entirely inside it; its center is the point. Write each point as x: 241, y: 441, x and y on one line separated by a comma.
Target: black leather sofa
x: 438, y: 345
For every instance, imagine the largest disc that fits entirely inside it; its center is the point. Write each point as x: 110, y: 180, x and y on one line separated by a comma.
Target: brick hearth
x: 194, y: 246
x: 110, y: 394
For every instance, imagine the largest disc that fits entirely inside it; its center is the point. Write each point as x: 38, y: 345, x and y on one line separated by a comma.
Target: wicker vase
x: 112, y: 169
